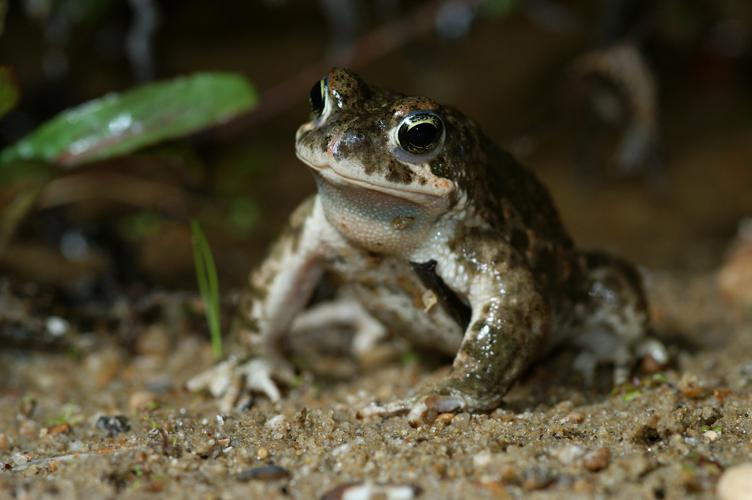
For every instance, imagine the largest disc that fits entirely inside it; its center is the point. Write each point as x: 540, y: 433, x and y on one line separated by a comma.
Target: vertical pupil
x: 317, y: 96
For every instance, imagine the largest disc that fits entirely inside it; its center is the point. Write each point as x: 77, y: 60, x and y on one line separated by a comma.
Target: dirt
x: 667, y: 434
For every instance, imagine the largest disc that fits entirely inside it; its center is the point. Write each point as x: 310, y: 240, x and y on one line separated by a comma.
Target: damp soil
x: 101, y: 421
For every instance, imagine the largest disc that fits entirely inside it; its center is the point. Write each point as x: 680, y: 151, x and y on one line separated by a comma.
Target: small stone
x: 569, y: 453
x: 711, y: 435
x: 58, y: 429
x: 369, y: 490
x: 509, y: 475
x: 208, y: 448
x: 736, y: 482
x: 690, y: 386
x: 113, y: 425
x: 28, y: 429
x: 262, y: 453
x: 264, y: 473
x: 482, y: 459
x: 445, y: 418
x: 537, y: 478
x: 141, y: 400
x: 575, y: 417
x: 19, y: 459
x: 583, y: 486
x: 103, y: 366
x: 597, y: 459
x: 277, y: 422
x: 57, y: 326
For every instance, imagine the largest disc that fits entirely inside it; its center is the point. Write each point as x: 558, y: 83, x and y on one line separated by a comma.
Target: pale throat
x: 374, y: 220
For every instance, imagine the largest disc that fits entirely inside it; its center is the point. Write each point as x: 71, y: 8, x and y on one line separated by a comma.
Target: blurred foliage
x: 8, y: 91
x: 498, y: 7
x: 3, y: 10
x: 118, y: 124
x: 140, y: 225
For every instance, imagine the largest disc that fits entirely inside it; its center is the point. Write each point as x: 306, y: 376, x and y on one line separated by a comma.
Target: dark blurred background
x: 636, y: 114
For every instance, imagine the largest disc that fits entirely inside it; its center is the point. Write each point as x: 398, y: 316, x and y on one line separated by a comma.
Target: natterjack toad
x: 430, y: 231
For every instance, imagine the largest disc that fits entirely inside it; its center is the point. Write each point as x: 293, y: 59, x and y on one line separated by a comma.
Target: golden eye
x: 317, y: 97
x: 420, y: 133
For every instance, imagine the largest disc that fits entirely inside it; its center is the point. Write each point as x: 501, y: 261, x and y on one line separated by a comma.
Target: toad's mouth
x: 424, y: 196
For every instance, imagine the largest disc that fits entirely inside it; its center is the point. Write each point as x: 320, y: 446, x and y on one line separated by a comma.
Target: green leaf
x: 208, y: 285
x: 118, y: 124
x: 8, y: 90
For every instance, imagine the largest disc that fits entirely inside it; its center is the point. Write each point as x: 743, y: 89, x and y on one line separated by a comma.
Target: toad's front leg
x: 510, y: 319
x: 279, y: 289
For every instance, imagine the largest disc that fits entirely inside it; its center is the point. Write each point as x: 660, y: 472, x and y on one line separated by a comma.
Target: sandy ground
x: 667, y: 434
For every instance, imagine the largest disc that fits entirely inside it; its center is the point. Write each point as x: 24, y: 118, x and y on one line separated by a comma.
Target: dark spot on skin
x: 325, y: 142
x: 398, y: 173
x: 438, y: 168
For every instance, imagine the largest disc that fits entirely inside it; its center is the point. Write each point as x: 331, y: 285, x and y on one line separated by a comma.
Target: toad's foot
x: 420, y: 409
x: 612, y: 349
x: 234, y: 382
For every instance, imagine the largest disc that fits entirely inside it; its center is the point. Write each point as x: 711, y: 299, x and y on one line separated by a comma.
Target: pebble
x: 277, y: 422
x: 262, y: 454
x: 711, y: 435
x: 58, y: 429
x: 368, y: 490
x: 103, y: 366
x: 264, y: 473
x: 28, y: 429
x: 690, y: 386
x: 574, y: 417
x: 113, y: 424
x: 597, y: 459
x: 736, y: 483
x: 445, y: 418
x: 57, y: 326
x: 569, y: 453
x: 140, y: 400
x: 537, y: 478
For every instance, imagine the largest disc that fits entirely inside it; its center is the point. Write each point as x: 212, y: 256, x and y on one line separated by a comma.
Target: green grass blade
x: 208, y: 285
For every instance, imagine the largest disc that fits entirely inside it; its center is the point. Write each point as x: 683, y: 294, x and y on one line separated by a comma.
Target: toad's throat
x: 374, y: 219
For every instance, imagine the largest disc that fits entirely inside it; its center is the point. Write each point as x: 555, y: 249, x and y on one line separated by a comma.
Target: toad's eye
x: 420, y: 133
x: 318, y: 97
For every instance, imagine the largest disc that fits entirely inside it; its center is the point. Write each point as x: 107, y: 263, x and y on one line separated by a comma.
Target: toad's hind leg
x: 611, y: 318
x: 348, y: 311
